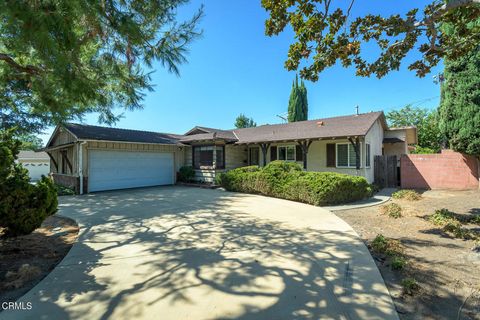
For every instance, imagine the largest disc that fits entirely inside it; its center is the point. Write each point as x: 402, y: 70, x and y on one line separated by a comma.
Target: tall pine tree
x: 63, y: 59
x: 298, y: 104
x: 460, y: 103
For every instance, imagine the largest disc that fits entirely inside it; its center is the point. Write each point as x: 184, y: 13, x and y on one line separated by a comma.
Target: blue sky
x: 234, y: 68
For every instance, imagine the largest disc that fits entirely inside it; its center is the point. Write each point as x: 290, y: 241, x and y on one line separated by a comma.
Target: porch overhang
x: 296, y: 140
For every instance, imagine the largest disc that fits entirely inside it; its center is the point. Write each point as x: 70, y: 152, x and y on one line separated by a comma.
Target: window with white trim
x: 346, y: 156
x: 286, y: 153
x: 367, y: 155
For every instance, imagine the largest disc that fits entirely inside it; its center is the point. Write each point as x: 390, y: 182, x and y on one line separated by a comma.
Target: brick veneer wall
x: 448, y: 170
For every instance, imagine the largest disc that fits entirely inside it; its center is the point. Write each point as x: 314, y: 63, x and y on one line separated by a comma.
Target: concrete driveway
x: 189, y: 253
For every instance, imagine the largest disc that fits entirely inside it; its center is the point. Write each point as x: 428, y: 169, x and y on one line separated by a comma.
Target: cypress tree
x: 298, y: 104
x: 460, y: 104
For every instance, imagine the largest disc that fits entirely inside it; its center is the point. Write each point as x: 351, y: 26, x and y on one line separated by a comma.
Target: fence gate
x: 385, y: 171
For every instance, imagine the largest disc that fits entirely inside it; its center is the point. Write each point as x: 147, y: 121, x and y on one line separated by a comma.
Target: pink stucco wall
x: 448, y: 170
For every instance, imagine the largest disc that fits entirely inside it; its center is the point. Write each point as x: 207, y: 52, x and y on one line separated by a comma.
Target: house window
x: 286, y: 153
x: 346, y: 156
x: 203, y: 156
x: 367, y: 155
x: 254, y: 156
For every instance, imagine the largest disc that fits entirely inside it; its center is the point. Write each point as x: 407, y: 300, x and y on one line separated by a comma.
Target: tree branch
x: 445, y: 8
x: 32, y: 70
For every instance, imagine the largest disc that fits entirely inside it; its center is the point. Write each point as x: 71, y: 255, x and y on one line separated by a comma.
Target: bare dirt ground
x: 25, y: 260
x: 447, y: 269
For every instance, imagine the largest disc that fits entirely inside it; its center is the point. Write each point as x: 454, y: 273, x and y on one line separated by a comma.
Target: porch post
x: 53, y: 161
x: 305, y: 145
x: 356, y: 147
x: 214, y: 160
x: 264, y: 147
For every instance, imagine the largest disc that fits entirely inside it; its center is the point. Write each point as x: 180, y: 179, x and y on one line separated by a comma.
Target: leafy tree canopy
x: 297, y: 103
x: 425, y: 120
x: 62, y: 59
x: 242, y: 121
x: 326, y: 33
x: 30, y: 142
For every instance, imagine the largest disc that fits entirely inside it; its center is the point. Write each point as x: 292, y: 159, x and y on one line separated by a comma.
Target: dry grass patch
x: 406, y: 194
x: 410, y: 286
x: 393, y: 210
x: 453, y: 224
x: 392, y: 249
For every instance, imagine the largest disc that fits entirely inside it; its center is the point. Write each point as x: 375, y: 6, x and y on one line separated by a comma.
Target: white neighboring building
x: 37, y: 163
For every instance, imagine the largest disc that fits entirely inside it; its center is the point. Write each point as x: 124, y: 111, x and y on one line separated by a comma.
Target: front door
x: 254, y: 156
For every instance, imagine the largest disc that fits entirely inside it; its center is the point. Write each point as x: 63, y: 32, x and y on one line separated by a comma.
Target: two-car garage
x: 92, y: 158
x: 111, y: 169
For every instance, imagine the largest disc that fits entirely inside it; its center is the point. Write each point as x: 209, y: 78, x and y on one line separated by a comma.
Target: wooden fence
x: 385, y: 171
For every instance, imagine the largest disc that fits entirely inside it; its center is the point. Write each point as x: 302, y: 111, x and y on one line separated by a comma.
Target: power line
x: 413, y: 103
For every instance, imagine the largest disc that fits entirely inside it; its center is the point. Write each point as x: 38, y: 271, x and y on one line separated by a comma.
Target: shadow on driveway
x: 187, y: 253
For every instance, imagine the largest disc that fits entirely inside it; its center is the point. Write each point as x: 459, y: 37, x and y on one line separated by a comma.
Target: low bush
x: 186, y: 174
x: 423, y: 150
x: 410, y: 286
x: 398, y: 262
x: 375, y: 188
x: 392, y: 249
x: 64, y: 191
x: 441, y: 217
x: 387, y: 246
x: 393, y: 210
x: 406, y: 194
x: 452, y: 224
x: 23, y: 206
x: 287, y: 180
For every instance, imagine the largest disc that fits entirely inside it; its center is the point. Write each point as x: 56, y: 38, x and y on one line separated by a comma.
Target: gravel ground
x: 25, y: 260
x: 447, y: 269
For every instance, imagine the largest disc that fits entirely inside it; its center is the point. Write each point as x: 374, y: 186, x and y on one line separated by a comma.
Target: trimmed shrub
x: 287, y: 180
x: 23, y: 206
x: 186, y: 174
x: 64, y: 191
x: 407, y: 194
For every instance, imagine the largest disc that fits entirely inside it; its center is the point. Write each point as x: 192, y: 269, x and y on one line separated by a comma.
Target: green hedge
x: 287, y: 180
x: 186, y: 174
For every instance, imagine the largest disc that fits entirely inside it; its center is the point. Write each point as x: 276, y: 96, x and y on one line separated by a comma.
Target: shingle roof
x: 392, y: 140
x: 32, y: 155
x: 226, y: 135
x: 344, y: 126
x: 88, y: 132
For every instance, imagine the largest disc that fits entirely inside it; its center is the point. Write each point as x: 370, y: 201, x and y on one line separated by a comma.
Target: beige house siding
x: 396, y: 149
x: 188, y: 156
x: 317, y: 154
x: 62, y: 136
x: 375, y: 138
x: 72, y: 156
x: 235, y: 156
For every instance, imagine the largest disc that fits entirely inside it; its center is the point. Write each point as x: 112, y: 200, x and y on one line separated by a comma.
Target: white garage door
x: 37, y: 169
x: 110, y: 170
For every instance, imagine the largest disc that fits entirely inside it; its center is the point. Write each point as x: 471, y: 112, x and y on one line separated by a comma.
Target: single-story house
x: 93, y: 158
x: 37, y: 163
